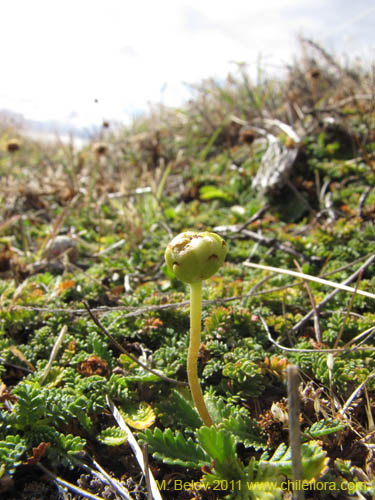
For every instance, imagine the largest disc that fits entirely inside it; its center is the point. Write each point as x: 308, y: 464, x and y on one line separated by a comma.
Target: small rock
x: 61, y: 245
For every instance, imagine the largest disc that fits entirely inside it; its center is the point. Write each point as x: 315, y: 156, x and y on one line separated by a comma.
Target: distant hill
x: 48, y: 128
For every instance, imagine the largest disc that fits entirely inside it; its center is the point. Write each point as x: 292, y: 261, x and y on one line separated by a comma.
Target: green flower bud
x: 195, y: 256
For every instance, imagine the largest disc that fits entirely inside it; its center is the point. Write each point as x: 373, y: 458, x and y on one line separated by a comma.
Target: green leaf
x: 210, y: 143
x: 245, y: 430
x: 113, y: 436
x: 143, y: 377
x: 174, y: 449
x: 213, y: 193
x: 323, y: 428
x: 314, y: 461
x: 217, y: 408
x: 183, y: 411
x: 138, y: 416
x: 11, y: 450
x: 30, y: 404
x: 219, y: 444
x: 72, y: 444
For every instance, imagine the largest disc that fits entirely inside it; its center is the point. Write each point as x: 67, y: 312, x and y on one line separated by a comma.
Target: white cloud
x: 61, y: 56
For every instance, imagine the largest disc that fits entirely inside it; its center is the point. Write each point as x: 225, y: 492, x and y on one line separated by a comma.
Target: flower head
x: 13, y: 145
x: 100, y: 148
x: 195, y: 256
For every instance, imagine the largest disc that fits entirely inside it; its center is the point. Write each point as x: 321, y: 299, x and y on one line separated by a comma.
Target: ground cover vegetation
x: 94, y: 327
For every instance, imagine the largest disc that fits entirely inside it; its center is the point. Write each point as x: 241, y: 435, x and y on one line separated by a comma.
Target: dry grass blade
x: 355, y: 394
x: 104, y: 477
x: 292, y: 349
x: 136, y: 449
x: 349, y: 308
x: 65, y: 484
x: 312, y: 278
x: 54, y: 351
x: 335, y: 292
x: 318, y: 330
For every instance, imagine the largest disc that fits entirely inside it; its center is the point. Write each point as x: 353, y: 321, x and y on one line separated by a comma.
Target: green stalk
x: 195, y: 339
x: 194, y: 257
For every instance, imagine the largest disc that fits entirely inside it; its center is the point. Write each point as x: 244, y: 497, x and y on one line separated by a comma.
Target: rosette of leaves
x: 43, y: 413
x: 349, y: 369
x: 36, y: 418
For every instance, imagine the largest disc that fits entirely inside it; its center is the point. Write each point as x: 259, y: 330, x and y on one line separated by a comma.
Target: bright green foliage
x: 30, y: 405
x: 314, y: 461
x: 40, y: 413
x: 324, y: 428
x: 220, y: 445
x: 184, y: 414
x: 99, y: 346
x: 119, y: 388
x: 218, y: 451
x: 247, y: 375
x: 190, y: 169
x: 174, y: 449
x: 113, y: 436
x: 37, y: 415
x: 11, y: 450
x: 236, y: 421
x: 245, y: 430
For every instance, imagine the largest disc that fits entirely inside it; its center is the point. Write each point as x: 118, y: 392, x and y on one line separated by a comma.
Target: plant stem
x: 295, y: 431
x: 195, y: 339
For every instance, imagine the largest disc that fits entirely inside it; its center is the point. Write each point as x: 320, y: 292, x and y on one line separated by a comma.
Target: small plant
x: 194, y: 257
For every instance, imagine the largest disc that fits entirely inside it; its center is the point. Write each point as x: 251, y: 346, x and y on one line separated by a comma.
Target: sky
x: 82, y: 61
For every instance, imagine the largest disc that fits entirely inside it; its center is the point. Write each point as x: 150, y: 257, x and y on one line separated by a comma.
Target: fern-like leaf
x: 323, y: 428
x: 220, y: 445
x: 314, y: 462
x: 112, y: 436
x: 245, y: 430
x: 11, y: 450
x: 174, y: 449
x: 183, y: 411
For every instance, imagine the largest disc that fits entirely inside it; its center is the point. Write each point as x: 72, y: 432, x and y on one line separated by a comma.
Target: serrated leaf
x: 280, y: 453
x: 113, y: 436
x: 183, y: 411
x: 217, y: 408
x: 218, y: 443
x: 245, y: 430
x: 324, y: 428
x: 11, y: 450
x: 314, y: 462
x: 174, y: 449
x: 139, y: 417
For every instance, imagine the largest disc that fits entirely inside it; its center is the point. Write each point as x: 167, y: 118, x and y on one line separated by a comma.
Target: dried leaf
x: 65, y: 285
x: 16, y: 352
x: 38, y: 452
x: 93, y: 366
